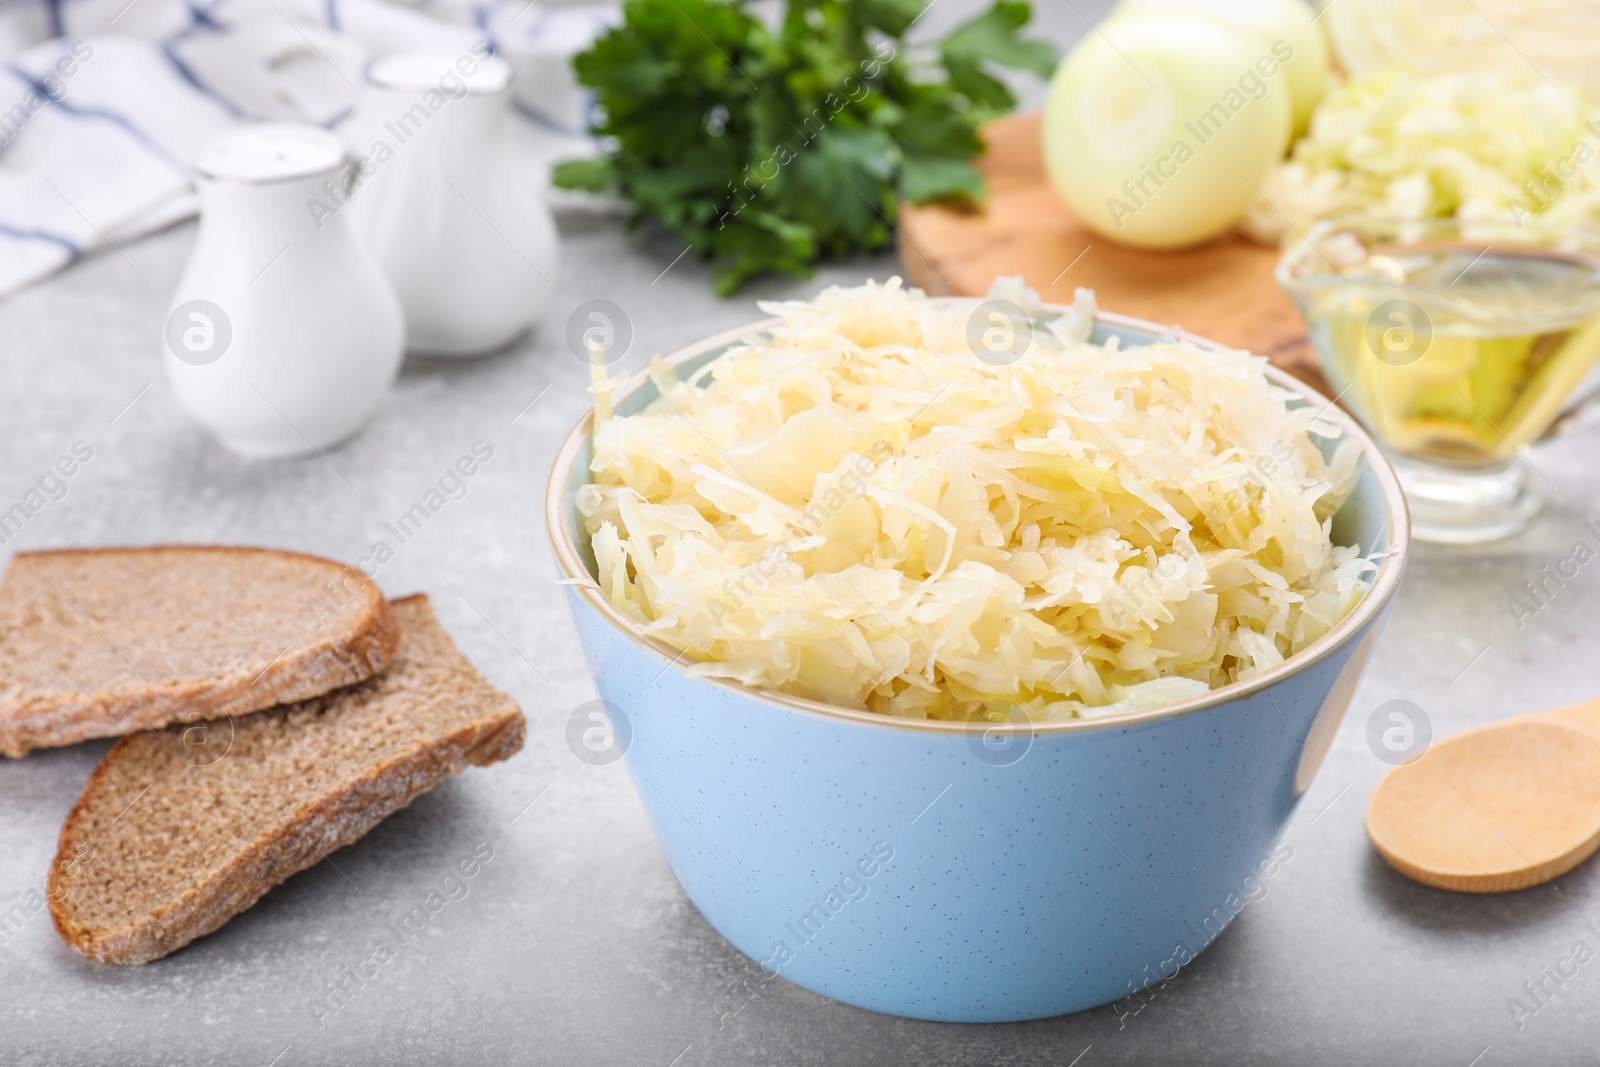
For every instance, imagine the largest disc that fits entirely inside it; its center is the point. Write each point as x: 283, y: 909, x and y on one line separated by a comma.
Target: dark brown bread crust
x: 295, y: 841
x: 363, y: 645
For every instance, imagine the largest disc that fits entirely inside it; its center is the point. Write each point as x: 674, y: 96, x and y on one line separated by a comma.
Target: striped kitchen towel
x: 103, y: 103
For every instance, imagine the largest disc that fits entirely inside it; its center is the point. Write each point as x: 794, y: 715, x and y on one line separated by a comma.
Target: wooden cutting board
x: 1222, y: 289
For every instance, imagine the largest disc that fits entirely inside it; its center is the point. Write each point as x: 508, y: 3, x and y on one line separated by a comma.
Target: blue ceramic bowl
x: 941, y: 871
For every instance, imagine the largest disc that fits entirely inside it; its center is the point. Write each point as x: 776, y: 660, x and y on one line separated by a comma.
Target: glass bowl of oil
x: 1458, y: 343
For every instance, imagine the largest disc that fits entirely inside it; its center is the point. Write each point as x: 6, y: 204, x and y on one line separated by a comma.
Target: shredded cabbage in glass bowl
x: 854, y: 508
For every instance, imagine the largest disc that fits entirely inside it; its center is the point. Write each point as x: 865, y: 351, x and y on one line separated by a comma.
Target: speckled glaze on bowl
x: 940, y: 871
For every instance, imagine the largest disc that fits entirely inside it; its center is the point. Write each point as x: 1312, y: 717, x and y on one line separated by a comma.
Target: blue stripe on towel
x: 200, y: 17
x: 7, y: 139
x: 39, y: 235
x: 109, y: 116
x: 537, y: 119
x: 333, y: 15
x: 189, y: 76
x: 480, y: 16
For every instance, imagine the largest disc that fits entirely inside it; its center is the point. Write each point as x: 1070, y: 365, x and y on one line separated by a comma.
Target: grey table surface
x: 575, y: 945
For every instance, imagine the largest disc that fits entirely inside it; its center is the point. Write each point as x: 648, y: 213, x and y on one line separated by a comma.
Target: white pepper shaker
x: 463, y: 235
x: 284, y: 336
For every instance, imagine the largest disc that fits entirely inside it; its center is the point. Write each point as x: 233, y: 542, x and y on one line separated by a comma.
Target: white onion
x: 1271, y: 21
x: 1159, y: 127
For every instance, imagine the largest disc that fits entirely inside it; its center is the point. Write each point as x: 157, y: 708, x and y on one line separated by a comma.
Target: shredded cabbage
x: 1418, y: 146
x: 858, y: 510
x: 1553, y: 37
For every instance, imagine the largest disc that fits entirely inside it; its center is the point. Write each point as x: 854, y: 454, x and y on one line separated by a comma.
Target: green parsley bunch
x: 766, y: 148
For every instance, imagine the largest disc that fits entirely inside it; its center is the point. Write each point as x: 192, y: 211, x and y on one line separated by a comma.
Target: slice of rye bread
x: 165, y: 846
x: 102, y: 642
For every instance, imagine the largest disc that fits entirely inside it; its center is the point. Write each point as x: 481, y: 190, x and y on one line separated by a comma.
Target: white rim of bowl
x: 1384, y: 584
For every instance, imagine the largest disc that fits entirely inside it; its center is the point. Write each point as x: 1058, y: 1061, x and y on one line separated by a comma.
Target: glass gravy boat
x: 1458, y: 343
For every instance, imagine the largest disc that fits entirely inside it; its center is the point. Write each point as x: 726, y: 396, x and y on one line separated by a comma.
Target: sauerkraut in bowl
x: 854, y: 508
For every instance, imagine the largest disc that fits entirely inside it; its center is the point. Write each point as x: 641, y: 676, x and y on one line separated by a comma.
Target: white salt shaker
x: 463, y: 235
x: 284, y: 336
